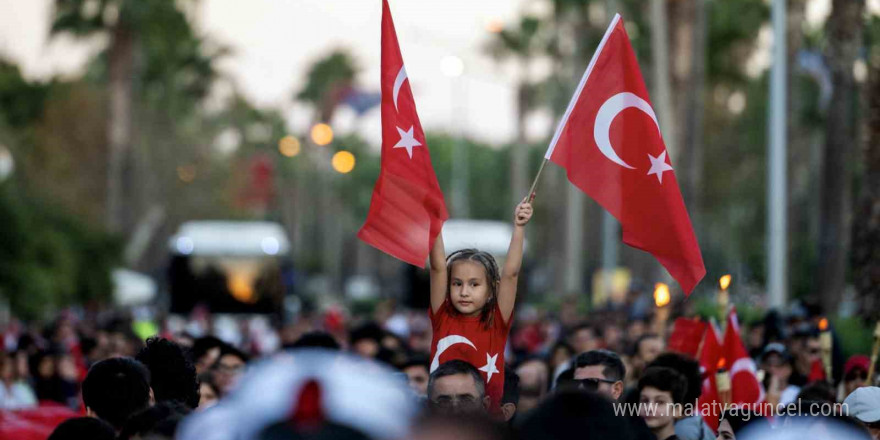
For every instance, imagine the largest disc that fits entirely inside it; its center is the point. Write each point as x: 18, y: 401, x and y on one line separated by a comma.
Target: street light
x: 343, y: 162
x: 322, y: 134
x: 289, y: 146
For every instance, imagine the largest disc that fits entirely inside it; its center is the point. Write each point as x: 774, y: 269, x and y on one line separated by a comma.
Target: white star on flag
x: 490, y: 368
x: 658, y: 166
x: 407, y: 140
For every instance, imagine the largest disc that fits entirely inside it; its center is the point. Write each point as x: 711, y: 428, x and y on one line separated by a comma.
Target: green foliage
x: 21, y: 102
x: 854, y: 336
x: 733, y: 26
x: 49, y: 259
x: 337, y: 68
x: 488, y: 170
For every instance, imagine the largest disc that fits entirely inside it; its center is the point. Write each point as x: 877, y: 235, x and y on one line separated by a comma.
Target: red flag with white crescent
x: 407, y: 210
x: 610, y: 145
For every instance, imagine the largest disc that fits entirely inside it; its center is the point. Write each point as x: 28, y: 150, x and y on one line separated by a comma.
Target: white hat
x: 353, y: 392
x: 864, y: 404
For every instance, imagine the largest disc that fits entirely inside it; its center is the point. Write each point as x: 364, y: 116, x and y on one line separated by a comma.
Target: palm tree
x: 844, y: 42
x: 866, y: 229
x: 119, y: 20
x: 524, y: 43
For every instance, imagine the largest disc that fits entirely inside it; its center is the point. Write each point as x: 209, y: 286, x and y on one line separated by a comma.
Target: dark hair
x: 613, y: 366
x: 83, y: 428
x: 116, y: 388
x: 161, y: 419
x: 368, y: 330
x: 415, y: 360
x: 316, y: 339
x: 172, y: 375
x: 664, y: 379
x: 452, y: 368
x: 572, y: 414
x: 597, y: 330
x: 203, y: 345
x: 226, y: 349
x: 687, y: 367
x: 511, y: 387
x: 740, y: 417
x: 818, y: 391
x: 207, y: 378
x: 637, y: 346
x: 493, y: 277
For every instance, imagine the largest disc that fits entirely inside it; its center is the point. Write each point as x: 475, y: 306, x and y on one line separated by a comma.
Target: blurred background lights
x: 322, y: 134
x: 270, y: 246
x: 289, y: 146
x: 343, y: 162
x: 186, y: 173
x: 185, y: 245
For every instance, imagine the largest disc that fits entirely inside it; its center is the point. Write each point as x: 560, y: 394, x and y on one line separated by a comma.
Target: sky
x: 274, y: 41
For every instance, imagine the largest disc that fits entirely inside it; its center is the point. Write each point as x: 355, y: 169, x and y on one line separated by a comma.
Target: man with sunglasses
x: 601, y: 371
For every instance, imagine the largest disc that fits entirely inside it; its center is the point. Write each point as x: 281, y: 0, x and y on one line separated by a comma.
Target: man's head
x: 229, y: 367
x: 457, y: 387
x: 533, y: 378
x: 864, y: 405
x: 585, y: 337
x: 83, y: 428
x: 602, y: 371
x: 160, y: 421
x: 661, y: 390
x: 855, y: 373
x: 776, y: 361
x: 116, y: 388
x: 510, y: 398
x: 687, y: 367
x: 416, y: 370
x: 648, y: 347
x: 172, y: 375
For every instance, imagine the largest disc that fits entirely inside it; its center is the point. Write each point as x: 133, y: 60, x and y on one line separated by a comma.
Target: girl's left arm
x: 513, y: 264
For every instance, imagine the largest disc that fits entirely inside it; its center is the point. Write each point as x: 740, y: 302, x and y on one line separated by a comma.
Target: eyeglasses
x: 592, y: 383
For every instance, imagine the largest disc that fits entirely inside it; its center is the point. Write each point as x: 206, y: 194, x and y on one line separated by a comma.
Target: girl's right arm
x: 438, y: 274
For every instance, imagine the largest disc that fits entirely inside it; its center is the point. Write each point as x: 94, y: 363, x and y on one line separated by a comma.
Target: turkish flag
x: 686, y: 336
x: 610, y: 144
x: 744, y: 383
x: 407, y: 210
x: 710, y: 354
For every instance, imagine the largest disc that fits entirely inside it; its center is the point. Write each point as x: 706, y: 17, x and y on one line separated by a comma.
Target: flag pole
x: 531, y: 194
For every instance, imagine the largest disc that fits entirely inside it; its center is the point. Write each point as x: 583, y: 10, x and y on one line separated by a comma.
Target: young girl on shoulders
x: 472, y: 305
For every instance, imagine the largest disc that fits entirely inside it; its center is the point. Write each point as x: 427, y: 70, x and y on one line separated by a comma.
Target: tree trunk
x: 844, y: 40
x: 866, y: 230
x: 519, y: 150
x: 121, y: 70
x: 692, y: 156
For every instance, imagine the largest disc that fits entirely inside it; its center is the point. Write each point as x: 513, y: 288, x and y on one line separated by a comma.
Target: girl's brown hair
x: 493, y: 278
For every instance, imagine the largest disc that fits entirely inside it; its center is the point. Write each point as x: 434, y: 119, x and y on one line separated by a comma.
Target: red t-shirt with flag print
x: 466, y: 338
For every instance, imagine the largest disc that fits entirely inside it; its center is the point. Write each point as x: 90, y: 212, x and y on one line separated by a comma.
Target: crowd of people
x: 466, y: 369
x: 562, y: 374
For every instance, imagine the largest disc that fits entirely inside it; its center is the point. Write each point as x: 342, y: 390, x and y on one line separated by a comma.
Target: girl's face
x: 468, y: 287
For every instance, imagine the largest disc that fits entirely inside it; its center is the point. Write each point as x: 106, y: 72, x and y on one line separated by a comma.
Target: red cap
x: 858, y: 361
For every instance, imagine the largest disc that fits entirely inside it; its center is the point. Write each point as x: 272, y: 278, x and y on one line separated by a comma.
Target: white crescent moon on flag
x: 609, y: 110
x: 398, y: 82
x: 445, y: 343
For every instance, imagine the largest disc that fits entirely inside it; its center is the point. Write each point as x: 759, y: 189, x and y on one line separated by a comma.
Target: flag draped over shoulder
x: 407, y: 210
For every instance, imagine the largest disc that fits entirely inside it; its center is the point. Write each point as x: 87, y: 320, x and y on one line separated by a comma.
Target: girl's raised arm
x: 438, y: 274
x: 510, y: 273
